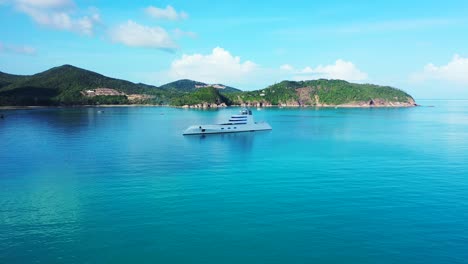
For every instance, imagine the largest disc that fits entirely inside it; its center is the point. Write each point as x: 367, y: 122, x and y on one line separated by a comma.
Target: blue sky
x: 418, y: 46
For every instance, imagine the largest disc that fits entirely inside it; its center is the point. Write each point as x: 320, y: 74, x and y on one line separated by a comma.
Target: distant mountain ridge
x: 70, y: 85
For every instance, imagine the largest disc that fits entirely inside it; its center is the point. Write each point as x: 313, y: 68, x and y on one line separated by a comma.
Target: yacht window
x: 235, y: 127
x: 229, y: 127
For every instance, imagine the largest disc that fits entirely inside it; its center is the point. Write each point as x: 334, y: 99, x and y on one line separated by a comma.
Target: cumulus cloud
x: 57, y: 14
x: 455, y: 71
x: 135, y: 35
x: 219, y: 66
x: 168, y: 13
x: 17, y: 49
x: 343, y: 70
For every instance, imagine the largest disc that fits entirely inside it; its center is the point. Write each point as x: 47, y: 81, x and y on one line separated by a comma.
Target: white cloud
x: 168, y: 13
x: 57, y: 14
x: 455, y: 71
x: 342, y: 70
x: 18, y: 49
x: 136, y: 35
x: 220, y: 66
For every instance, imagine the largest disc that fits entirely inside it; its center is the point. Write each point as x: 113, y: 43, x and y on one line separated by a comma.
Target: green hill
x: 186, y: 85
x: 64, y: 86
x: 206, y: 95
x: 324, y: 93
x: 7, y: 79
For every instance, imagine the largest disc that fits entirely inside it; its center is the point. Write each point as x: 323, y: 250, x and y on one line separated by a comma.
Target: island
x: 68, y: 85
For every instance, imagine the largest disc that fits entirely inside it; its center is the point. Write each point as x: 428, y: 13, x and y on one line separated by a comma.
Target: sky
x: 418, y: 46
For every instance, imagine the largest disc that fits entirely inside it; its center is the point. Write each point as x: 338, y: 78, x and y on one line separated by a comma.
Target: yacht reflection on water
x: 243, y: 141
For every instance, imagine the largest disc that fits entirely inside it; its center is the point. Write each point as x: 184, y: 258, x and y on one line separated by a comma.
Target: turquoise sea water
x: 324, y: 186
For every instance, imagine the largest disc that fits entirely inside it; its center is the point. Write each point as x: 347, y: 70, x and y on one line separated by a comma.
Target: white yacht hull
x: 242, y: 122
x: 222, y: 128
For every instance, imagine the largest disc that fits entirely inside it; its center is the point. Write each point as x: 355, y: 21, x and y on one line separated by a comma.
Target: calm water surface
x: 324, y: 186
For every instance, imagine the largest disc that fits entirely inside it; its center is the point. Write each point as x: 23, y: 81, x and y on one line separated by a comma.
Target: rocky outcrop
x: 378, y: 103
x: 290, y: 103
x: 304, y: 95
x: 316, y: 103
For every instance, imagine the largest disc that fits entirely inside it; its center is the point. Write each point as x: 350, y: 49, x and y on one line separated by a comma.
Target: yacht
x: 243, y: 122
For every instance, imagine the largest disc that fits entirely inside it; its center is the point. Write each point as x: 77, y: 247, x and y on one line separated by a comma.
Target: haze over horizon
x: 421, y: 49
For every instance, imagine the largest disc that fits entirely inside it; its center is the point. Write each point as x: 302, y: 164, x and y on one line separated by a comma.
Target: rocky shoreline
x: 214, y: 106
x: 375, y: 103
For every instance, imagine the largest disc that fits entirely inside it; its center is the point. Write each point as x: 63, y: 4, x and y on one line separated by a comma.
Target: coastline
x: 33, y: 107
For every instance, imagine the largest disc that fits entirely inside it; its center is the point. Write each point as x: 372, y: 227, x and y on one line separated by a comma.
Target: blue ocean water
x: 324, y: 186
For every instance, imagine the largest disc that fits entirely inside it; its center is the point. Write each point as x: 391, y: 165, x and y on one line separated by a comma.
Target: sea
x: 326, y: 185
